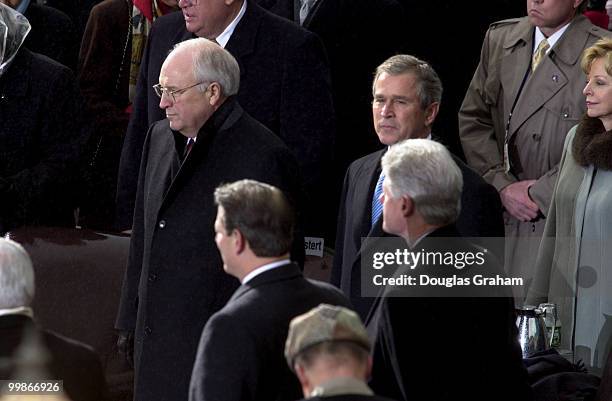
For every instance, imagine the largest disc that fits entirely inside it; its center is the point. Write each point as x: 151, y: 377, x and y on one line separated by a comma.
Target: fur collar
x: 592, y: 144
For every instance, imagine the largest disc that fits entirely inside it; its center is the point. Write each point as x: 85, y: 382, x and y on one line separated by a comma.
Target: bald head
x: 16, y: 275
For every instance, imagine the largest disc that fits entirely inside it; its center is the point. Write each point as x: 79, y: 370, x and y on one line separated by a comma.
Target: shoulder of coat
x: 505, y: 23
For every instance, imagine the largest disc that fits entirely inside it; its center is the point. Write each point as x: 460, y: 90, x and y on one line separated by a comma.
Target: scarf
x: 592, y: 144
x: 144, y: 12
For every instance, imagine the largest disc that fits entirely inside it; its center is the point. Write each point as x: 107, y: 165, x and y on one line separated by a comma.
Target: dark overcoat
x: 284, y: 84
x: 481, y: 216
x: 458, y: 347
x: 42, y: 136
x: 240, y: 356
x: 175, y: 280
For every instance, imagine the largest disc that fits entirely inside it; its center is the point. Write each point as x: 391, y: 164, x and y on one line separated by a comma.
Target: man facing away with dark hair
x: 240, y: 356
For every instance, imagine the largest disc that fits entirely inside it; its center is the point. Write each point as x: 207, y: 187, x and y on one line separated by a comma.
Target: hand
x: 516, y: 200
x: 125, y: 346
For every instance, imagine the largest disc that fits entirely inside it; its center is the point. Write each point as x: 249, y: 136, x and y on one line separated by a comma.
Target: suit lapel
x: 549, y: 78
x: 365, y: 184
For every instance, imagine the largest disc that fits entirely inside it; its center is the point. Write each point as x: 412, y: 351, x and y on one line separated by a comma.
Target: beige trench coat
x: 550, y: 103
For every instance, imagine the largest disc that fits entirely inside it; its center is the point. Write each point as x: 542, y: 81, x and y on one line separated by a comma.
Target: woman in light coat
x: 574, y: 264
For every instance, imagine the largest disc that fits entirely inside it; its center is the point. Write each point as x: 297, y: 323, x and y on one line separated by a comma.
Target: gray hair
x: 212, y: 63
x: 16, y: 275
x: 429, y: 86
x: 425, y: 171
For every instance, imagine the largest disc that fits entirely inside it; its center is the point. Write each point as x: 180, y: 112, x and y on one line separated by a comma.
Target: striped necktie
x: 539, y: 54
x: 377, y: 206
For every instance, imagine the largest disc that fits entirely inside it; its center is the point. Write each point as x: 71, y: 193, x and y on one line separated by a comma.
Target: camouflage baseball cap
x: 321, y: 324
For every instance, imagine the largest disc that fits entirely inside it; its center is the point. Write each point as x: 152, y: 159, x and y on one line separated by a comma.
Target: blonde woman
x: 574, y: 264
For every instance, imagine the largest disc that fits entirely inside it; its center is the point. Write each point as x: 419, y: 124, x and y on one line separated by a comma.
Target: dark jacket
x: 73, y: 362
x: 458, y: 347
x: 53, y: 34
x: 240, y: 356
x: 284, y: 84
x: 42, y: 135
x: 481, y: 216
x: 175, y: 280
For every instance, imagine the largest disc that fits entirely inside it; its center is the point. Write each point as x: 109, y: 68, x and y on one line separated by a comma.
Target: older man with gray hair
x: 174, y: 280
x: 451, y: 342
x: 76, y: 364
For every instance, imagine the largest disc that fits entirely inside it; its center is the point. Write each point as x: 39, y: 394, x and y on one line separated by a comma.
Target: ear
x: 239, y: 241
x: 431, y: 112
x: 368, y: 369
x: 407, y: 206
x: 300, y: 372
x: 215, y: 94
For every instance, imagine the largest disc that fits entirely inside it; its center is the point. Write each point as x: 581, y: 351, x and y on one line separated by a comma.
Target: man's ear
x: 239, y: 241
x: 215, y: 94
x: 431, y: 112
x: 407, y: 206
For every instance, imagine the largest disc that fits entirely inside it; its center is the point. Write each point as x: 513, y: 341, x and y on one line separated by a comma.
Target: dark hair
x: 261, y: 213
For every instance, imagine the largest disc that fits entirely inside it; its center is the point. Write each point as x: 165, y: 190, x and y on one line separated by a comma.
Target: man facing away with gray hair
x: 447, y: 342
x: 76, y: 364
x: 174, y: 280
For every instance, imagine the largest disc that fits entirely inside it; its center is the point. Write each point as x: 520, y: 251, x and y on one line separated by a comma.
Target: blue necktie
x: 377, y: 206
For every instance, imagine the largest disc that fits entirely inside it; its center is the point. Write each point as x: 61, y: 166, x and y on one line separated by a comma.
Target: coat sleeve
x: 477, y: 125
x: 539, y: 289
x: 128, y: 303
x: 131, y: 153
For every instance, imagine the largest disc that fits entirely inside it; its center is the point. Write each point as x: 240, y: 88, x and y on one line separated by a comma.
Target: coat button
x: 555, y: 78
x: 152, y: 277
x: 536, y: 137
x: 566, y: 115
x: 148, y: 331
x: 162, y: 223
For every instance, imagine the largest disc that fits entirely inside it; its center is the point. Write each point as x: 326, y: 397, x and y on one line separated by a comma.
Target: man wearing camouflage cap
x: 329, y: 351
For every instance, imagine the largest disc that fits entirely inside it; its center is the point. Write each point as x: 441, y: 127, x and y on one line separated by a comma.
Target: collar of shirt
x: 229, y: 30
x: 264, y: 268
x: 341, y: 386
x: 427, y: 137
x: 21, y: 310
x: 552, y: 39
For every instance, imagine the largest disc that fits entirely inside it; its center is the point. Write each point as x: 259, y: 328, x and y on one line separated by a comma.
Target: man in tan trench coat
x: 523, y: 99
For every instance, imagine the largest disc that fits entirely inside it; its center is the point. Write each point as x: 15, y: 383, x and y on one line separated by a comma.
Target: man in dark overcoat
x: 452, y: 341
x: 285, y: 85
x: 174, y: 280
x: 42, y: 133
x: 407, y: 94
x: 240, y: 356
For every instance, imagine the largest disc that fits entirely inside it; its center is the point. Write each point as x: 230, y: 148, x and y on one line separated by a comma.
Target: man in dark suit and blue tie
x: 407, y: 94
x: 240, y: 356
